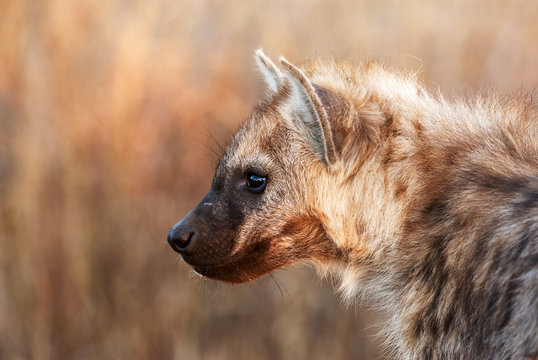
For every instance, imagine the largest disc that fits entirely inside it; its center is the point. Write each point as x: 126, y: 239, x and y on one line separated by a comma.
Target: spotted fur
x: 423, y: 207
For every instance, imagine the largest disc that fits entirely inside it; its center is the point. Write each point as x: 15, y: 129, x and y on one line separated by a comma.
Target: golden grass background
x: 110, y: 112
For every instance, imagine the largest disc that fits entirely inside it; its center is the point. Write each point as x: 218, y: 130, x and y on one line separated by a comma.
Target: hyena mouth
x: 253, y: 262
x: 231, y: 272
x: 219, y: 272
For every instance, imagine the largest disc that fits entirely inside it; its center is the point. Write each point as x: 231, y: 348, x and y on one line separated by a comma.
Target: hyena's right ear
x: 272, y: 75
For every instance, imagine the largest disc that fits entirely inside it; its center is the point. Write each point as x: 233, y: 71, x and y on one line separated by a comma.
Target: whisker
x: 214, y: 140
x: 279, y: 287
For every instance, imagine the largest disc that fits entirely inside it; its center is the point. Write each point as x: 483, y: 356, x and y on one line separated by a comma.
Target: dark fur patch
x: 489, y: 181
x: 507, y: 299
x: 387, y: 129
x: 388, y: 156
x: 419, y: 128
x: 400, y: 188
x: 336, y: 109
x: 530, y: 200
x: 310, y: 239
x: 448, y: 321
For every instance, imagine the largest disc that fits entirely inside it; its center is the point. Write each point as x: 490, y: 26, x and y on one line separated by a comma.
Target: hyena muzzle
x: 423, y: 207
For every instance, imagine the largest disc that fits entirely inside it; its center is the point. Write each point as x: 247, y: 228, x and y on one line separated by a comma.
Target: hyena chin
x: 424, y: 207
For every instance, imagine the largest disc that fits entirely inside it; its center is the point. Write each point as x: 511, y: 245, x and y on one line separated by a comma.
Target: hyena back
x: 423, y: 207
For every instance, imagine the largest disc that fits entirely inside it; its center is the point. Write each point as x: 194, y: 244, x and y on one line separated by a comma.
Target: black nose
x: 179, y: 239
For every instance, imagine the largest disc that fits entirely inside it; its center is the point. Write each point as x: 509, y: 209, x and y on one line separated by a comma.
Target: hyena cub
x: 424, y: 207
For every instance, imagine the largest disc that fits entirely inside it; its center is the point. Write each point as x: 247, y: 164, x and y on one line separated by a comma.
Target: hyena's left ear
x: 307, y: 105
x: 272, y: 75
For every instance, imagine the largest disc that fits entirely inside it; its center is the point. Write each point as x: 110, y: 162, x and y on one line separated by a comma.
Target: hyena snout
x: 200, y: 239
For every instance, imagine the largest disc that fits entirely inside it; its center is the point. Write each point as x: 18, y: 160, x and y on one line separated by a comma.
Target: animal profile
x: 424, y: 207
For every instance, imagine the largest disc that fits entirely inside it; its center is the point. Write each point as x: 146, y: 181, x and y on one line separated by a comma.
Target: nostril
x: 184, y: 240
x: 179, y: 241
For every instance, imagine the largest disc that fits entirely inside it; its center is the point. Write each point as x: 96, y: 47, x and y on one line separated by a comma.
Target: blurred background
x: 112, y: 113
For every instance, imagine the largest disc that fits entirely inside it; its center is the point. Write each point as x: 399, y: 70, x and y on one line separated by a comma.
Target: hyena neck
x: 371, y: 126
x: 365, y: 217
x: 434, y: 209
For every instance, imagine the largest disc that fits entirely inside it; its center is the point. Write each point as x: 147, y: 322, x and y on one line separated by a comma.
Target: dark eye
x: 256, y: 183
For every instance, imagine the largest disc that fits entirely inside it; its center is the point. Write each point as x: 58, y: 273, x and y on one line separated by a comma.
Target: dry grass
x: 109, y: 111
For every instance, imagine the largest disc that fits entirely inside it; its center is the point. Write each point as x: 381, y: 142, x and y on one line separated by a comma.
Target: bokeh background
x: 112, y: 113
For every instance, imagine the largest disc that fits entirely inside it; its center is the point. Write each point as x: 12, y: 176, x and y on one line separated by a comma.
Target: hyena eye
x: 256, y: 183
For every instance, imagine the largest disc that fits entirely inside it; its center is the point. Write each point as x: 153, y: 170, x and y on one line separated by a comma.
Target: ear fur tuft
x: 271, y: 73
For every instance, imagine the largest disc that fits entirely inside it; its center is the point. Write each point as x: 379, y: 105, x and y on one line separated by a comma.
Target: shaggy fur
x: 423, y: 207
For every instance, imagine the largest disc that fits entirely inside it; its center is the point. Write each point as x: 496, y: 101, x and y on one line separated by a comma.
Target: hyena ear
x: 272, y: 75
x: 305, y: 103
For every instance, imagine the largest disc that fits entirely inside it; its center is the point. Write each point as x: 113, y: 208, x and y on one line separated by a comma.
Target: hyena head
x: 260, y: 213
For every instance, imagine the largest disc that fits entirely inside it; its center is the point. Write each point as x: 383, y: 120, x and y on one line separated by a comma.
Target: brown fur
x: 424, y: 207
